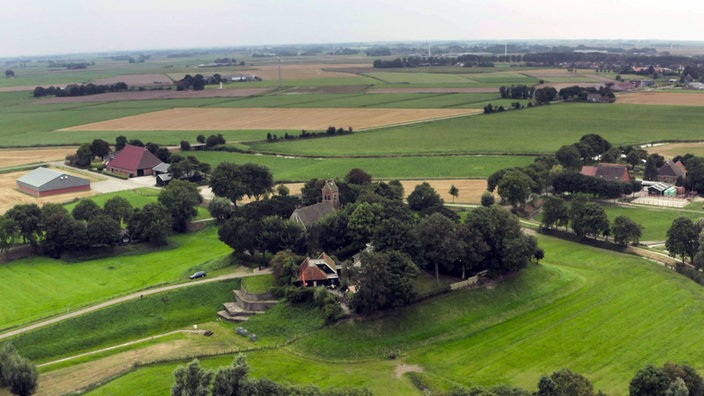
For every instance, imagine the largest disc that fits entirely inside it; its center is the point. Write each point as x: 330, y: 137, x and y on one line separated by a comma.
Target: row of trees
x: 234, y: 380
x: 588, y: 219
x: 331, y: 131
x: 79, y: 90
x: 18, y: 374
x: 55, y: 230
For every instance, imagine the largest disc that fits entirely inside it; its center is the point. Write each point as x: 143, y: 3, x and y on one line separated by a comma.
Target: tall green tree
x: 515, y: 188
x: 626, y: 230
x: 385, y: 281
x: 151, y: 224
x: 86, y: 209
x: 181, y: 198
x: 8, y: 233
x: 555, y: 213
x: 683, y: 238
x: 424, y: 197
x: 565, y: 382
x: 118, y: 208
x: 589, y: 219
x: 100, y: 148
x: 192, y: 380
x: 28, y: 218
x: 454, y: 192
x: 439, y: 242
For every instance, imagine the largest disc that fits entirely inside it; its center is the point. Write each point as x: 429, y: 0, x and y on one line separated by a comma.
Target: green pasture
x: 418, y: 78
x: 655, y: 220
x: 259, y: 284
x: 40, y: 287
x: 596, y: 312
x: 498, y: 79
x: 149, y: 316
x: 536, y: 130
x: 278, y: 365
x: 599, y: 313
x: 412, y: 167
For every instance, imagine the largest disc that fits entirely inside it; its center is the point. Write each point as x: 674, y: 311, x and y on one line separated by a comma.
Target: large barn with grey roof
x: 42, y: 182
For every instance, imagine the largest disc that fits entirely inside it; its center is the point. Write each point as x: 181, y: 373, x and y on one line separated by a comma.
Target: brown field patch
x: 471, y: 190
x: 16, y: 157
x: 433, y: 90
x: 158, y: 94
x: 672, y: 150
x: 19, y: 88
x: 138, y: 80
x: 11, y: 196
x: 288, y: 71
x: 211, y: 119
x: 691, y: 98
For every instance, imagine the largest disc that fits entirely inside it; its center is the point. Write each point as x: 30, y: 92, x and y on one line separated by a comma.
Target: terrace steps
x: 246, y: 305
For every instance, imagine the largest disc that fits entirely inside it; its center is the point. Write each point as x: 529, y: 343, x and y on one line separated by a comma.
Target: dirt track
x: 217, y: 119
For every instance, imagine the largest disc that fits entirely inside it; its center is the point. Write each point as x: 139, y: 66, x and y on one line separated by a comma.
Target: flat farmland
x: 418, y: 78
x: 288, y: 71
x: 15, y: 157
x: 674, y: 149
x: 139, y: 80
x: 156, y: 94
x: 692, y: 98
x: 215, y: 119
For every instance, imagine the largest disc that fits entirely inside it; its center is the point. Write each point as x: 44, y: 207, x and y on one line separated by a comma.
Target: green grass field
x: 599, y: 313
x: 136, y: 319
x: 303, y: 169
x: 655, y: 220
x: 39, y: 287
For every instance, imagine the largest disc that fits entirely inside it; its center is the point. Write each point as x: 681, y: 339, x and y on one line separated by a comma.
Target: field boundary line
x: 110, y: 348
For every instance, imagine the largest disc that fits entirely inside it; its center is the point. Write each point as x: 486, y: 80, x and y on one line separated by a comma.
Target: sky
x: 45, y: 27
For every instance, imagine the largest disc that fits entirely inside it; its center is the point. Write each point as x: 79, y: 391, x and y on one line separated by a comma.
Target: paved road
x: 129, y: 297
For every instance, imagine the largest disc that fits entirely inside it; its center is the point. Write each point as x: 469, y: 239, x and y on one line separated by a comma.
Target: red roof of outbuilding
x: 133, y: 158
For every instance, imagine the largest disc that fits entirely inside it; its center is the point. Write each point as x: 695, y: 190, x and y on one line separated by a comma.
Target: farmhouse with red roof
x: 133, y: 161
x: 671, y: 171
x: 318, y: 272
x: 613, y: 172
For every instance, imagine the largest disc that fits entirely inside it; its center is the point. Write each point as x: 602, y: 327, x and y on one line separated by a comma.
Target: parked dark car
x: 199, y: 274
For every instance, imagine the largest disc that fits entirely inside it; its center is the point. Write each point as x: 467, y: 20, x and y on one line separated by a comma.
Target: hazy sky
x: 37, y: 27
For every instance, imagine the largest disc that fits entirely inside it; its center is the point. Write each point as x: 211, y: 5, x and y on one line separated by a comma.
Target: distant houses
x: 312, y: 214
x: 133, y: 161
x: 43, y: 182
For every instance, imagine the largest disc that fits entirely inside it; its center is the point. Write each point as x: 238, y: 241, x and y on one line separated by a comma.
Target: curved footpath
x: 129, y: 297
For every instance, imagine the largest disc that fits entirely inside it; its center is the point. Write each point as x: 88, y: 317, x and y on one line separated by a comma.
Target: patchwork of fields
x: 215, y: 119
x: 419, y: 124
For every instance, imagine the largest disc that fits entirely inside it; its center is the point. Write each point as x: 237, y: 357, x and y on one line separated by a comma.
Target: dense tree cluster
x: 234, y: 380
x: 79, y: 90
x: 516, y: 92
x: 670, y: 379
x: 683, y: 239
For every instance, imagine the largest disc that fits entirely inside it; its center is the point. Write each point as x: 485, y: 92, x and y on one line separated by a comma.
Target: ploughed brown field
x: 212, y: 119
x: 692, y: 98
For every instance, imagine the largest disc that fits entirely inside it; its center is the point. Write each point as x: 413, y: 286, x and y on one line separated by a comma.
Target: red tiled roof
x: 133, y: 158
x: 311, y: 272
x: 588, y: 170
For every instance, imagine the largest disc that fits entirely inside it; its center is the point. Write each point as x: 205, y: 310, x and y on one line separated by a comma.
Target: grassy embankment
x: 600, y: 313
x: 40, y: 287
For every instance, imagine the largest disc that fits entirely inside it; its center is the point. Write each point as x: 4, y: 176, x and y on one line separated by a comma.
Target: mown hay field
x: 215, y: 119
x: 691, y: 98
x: 15, y: 157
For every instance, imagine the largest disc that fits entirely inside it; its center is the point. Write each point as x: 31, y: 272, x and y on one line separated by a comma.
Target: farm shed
x: 663, y: 190
x: 133, y: 161
x: 42, y: 182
